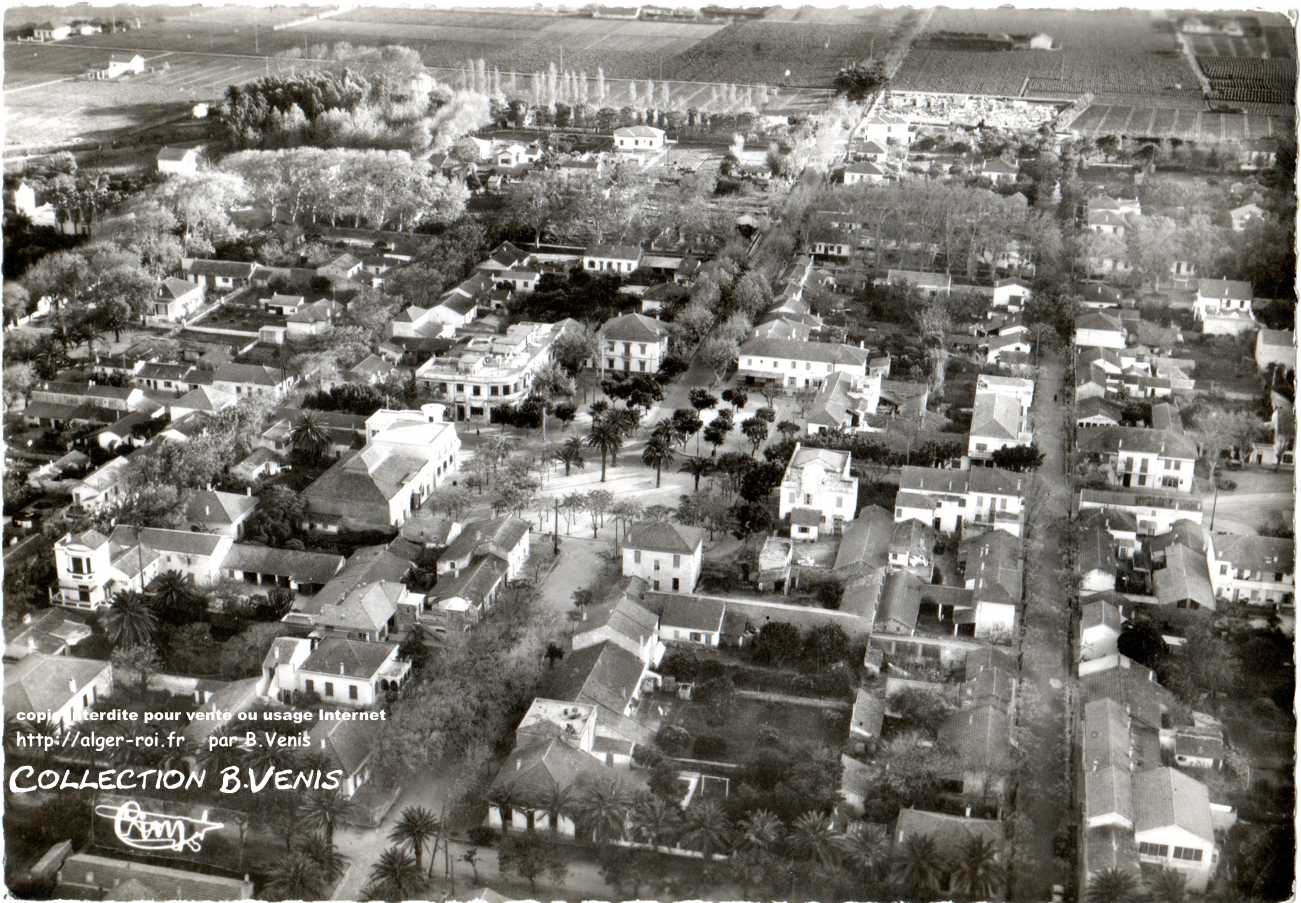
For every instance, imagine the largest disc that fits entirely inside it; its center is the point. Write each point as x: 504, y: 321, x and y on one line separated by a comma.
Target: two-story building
x: 1000, y: 419
x: 799, y: 364
x: 845, y: 402
x: 252, y: 380
x: 1142, y: 458
x: 666, y: 555
x: 958, y: 501
x: 177, y: 299
x: 1258, y: 570
x: 633, y: 343
x: 340, y: 671
x: 1223, y: 306
x: 818, y: 493
x: 1099, y: 329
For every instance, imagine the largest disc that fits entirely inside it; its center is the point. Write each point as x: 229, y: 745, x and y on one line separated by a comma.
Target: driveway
x: 1262, y: 494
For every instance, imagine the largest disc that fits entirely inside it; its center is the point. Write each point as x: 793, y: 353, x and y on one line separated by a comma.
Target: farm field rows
x: 1188, y: 125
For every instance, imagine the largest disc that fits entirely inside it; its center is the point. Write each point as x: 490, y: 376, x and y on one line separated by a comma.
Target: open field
x: 1188, y: 125
x: 738, y: 728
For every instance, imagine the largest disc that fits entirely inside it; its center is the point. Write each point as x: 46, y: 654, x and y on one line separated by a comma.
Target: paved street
x: 1045, y: 653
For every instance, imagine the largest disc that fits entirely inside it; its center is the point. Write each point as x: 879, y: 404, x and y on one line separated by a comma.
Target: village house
x: 666, y: 555
x: 689, y: 619
x: 1258, y: 570
x: 633, y: 343
x: 1011, y: 295
x: 799, y: 364
x: 252, y: 380
x: 845, y: 402
x: 1275, y: 348
x: 118, y: 64
x: 638, y: 139
x: 1223, y: 306
x: 58, y: 690
x: 991, y: 569
x: 225, y: 513
x: 999, y: 419
x: 177, y: 299
x: 958, y: 501
x: 818, y: 493
x: 506, y: 539
x: 1154, y: 511
x: 378, y: 487
x: 618, y: 259
x: 1096, y: 329
x: 218, y: 275
x: 49, y: 632
x: 340, y: 671
x: 864, y: 172
x: 1242, y: 216
x: 929, y: 284
x: 885, y: 129
x: 1100, y: 626
x: 999, y: 171
x: 178, y: 161
x: 622, y: 618
x: 301, y: 572
x: 1142, y: 458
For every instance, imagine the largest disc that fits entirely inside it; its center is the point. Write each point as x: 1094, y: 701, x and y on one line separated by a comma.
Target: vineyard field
x: 1186, y: 125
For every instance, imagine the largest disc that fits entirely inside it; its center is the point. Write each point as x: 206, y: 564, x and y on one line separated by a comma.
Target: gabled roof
x: 175, y: 154
x: 176, y: 288
x: 474, y: 583
x: 184, y: 542
x: 979, y: 736
x: 535, y: 770
x: 1256, y: 553
x: 818, y: 352
x: 614, y: 252
x: 1099, y: 320
x: 688, y: 612
x: 866, y: 540
x: 348, y: 658
x: 45, y: 683
x: 604, y: 675
x: 214, y: 507
x: 248, y: 374
x: 999, y: 165
x: 996, y: 416
x: 868, y: 716
x: 638, y: 131
x: 901, y: 599
x: 1224, y: 289
x: 864, y: 167
x: 1117, y: 439
x: 622, y: 612
x: 949, y: 832
x: 345, y: 743
x: 303, y: 566
x: 664, y: 536
x: 1165, y: 797
x: 1101, y: 613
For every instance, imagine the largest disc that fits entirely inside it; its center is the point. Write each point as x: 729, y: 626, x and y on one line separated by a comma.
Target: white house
x: 930, y: 284
x: 998, y: 420
x: 1100, y: 625
x: 1143, y: 458
x: 666, y: 555
x: 119, y: 64
x: 252, y: 380
x: 1098, y: 329
x: 1155, y: 511
x: 340, y: 671
x: 1223, y: 306
x: 1172, y: 825
x: 999, y: 171
x: 845, y: 402
x: 177, y: 299
x: 57, y: 690
x: 864, y: 171
x: 1011, y: 294
x: 178, y: 161
x: 689, y: 619
x: 958, y: 501
x: 818, y: 492
x: 638, y: 139
x: 885, y: 128
x: 633, y: 343
x: 1275, y: 347
x: 1258, y: 570
x: 617, y: 259
x: 799, y: 364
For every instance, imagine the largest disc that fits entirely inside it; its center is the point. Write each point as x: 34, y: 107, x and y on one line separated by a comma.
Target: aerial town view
x: 599, y: 452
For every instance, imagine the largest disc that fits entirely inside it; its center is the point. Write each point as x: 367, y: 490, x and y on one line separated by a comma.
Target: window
x: 352, y: 691
x: 696, y: 637
x: 1224, y: 570
x: 79, y: 565
x: 1153, y: 849
x: 636, y: 556
x: 309, y: 685
x: 329, y: 688
x: 1188, y: 854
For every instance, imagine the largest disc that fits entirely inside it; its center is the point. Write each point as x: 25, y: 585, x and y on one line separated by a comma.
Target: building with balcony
x: 89, y: 568
x: 1142, y: 458
x: 633, y: 343
x: 484, y: 372
x: 845, y: 402
x: 958, y: 501
x: 799, y: 364
x: 818, y: 494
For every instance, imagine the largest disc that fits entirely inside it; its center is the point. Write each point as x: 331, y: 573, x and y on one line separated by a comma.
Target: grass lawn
x: 242, y: 317
x: 1221, y: 365
x: 738, y: 728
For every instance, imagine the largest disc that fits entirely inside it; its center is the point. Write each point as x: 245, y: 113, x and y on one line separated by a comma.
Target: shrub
x: 709, y: 747
x: 673, y: 740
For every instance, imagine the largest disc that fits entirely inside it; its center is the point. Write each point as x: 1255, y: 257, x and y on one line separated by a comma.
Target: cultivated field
x: 1188, y: 125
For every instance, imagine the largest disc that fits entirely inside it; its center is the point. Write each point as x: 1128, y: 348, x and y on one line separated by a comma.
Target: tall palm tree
x: 571, y: 453
x: 297, y: 877
x: 606, y: 435
x: 813, y: 838
x: 504, y: 797
x: 1112, y: 886
x: 395, y: 876
x: 658, y: 452
x: 129, y: 620
x: 759, y: 830
x: 558, y: 802
x: 918, y: 866
x: 323, y: 810
x: 602, y: 809
x: 697, y: 467
x: 416, y: 827
x: 866, y: 848
x: 310, y: 437
x: 655, y: 821
x: 1167, y: 885
x: 976, y: 870
x: 552, y: 381
x: 704, y: 827
x: 325, y: 854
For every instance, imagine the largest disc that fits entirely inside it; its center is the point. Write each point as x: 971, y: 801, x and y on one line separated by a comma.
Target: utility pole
x: 555, y: 530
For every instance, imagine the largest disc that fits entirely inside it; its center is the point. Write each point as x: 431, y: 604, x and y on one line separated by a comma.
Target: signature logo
x: 156, y: 830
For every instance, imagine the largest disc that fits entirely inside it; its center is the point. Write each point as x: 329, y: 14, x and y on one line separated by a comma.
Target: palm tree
x: 395, y: 876
x: 310, y: 437
x: 697, y: 467
x: 1111, y: 886
x: 297, y: 877
x: 571, y: 453
x: 814, y: 840
x: 173, y: 589
x: 658, y: 452
x: 606, y: 435
x: 866, y: 849
x: 556, y: 804
x: 323, y: 810
x: 551, y: 381
x: 325, y: 854
x: 759, y: 830
x: 655, y: 821
x: 505, y: 798
x: 917, y: 866
x: 975, y: 868
x: 1167, y: 885
x: 415, y: 828
x: 602, y: 809
x: 129, y: 621
x: 705, y: 827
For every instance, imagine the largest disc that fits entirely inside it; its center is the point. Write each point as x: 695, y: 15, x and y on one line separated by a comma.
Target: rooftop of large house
x: 865, y: 541
x: 45, y: 683
x: 1133, y: 439
x: 949, y: 832
x: 487, y: 537
x: 1101, y: 613
x: 345, y: 743
x: 816, y: 352
x: 473, y: 584
x: 604, y: 675
x: 694, y: 613
x: 348, y: 658
x: 1169, y: 499
x: 1224, y: 289
x: 979, y: 736
x: 996, y: 416
x: 664, y: 536
x: 303, y: 566
x: 214, y: 507
x: 621, y: 612
x: 87, y: 876
x: 1258, y: 554
x: 634, y: 328
x: 1165, y: 797
x: 1184, y: 578
x: 1277, y: 338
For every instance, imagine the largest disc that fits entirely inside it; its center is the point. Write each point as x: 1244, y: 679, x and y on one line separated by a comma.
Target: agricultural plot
x: 1113, y: 52
x: 1186, y: 125
x: 1234, y: 79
